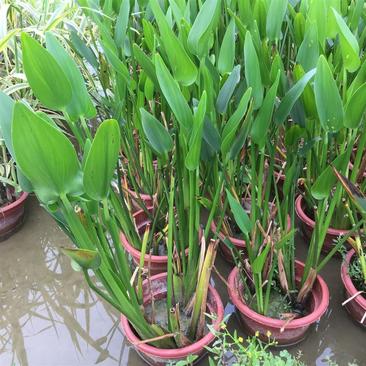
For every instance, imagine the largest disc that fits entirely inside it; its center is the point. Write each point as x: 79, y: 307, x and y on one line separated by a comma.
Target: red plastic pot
x: 308, y: 224
x: 12, y: 217
x: 147, y: 199
x: 158, y: 356
x: 238, y: 243
x: 357, y: 306
x: 157, y: 263
x: 285, y: 333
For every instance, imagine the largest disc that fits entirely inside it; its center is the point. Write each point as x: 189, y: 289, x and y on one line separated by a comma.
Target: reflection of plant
x: 44, y: 305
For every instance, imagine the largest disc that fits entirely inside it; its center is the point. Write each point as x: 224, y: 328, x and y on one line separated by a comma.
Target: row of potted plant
x: 202, y: 126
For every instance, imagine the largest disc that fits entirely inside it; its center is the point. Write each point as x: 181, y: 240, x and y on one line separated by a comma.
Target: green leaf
x: 275, y: 15
x: 259, y: 261
x: 264, y: 117
x: 173, y: 95
x: 211, y: 135
x: 230, y: 128
x: 158, y: 137
x: 292, y: 96
x: 6, y: 118
x: 122, y: 23
x: 308, y: 53
x: 45, y: 156
x: 355, y: 108
x: 326, y: 95
x: 227, y: 90
x: 241, y: 217
x: 80, y: 103
x: 195, y: 141
x: 45, y: 76
x: 184, y: 70
x: 145, y: 62
x: 326, y: 180
x: 85, y: 258
x: 83, y: 50
x: 252, y: 71
x: 203, y: 27
x: 102, y: 159
x: 349, y: 45
x: 226, y: 58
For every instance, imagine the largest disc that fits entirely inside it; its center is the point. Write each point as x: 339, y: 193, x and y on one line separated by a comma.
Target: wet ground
x: 49, y: 317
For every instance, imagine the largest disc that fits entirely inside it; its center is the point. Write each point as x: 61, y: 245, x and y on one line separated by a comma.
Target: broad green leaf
x: 83, y: 50
x: 158, y: 137
x: 80, y: 104
x: 327, y: 98
x: 291, y: 97
x: 225, y: 62
x: 6, y: 119
x: 211, y: 135
x: 357, y: 81
x: 146, y: 63
x: 102, y: 160
x: 173, y: 95
x: 355, y: 108
x: 308, y: 52
x: 4, y: 40
x: 326, y: 180
x: 45, y: 76
x: 262, y: 122
x: 184, y: 70
x: 227, y: 90
x: 203, y: 27
x: 349, y: 45
x: 299, y: 28
x: 318, y: 15
x: 230, y: 128
x: 275, y: 15
x: 45, y: 156
x: 195, y: 140
x: 241, y: 217
x: 122, y: 23
x: 252, y: 71
x: 85, y: 258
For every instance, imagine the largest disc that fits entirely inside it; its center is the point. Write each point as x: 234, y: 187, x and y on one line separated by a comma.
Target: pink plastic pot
x: 239, y: 244
x: 308, y: 224
x: 357, y: 306
x: 157, y: 263
x: 12, y: 217
x: 292, y: 332
x: 158, y: 356
x: 147, y: 199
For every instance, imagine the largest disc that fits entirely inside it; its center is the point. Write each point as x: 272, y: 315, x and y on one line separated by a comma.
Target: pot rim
x: 299, y: 204
x: 23, y: 196
x: 135, y: 252
x: 235, y: 241
x: 277, y: 323
x: 347, y: 280
x: 176, y: 352
x: 144, y: 196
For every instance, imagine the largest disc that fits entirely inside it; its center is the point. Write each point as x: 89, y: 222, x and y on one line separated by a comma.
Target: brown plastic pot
x: 157, y: 263
x: 238, y: 243
x: 284, y: 332
x: 357, y: 306
x: 12, y: 217
x: 308, y: 224
x: 159, y: 356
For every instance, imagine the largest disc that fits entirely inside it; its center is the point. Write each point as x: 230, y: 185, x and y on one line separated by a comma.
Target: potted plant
x: 353, y: 270
x: 12, y: 198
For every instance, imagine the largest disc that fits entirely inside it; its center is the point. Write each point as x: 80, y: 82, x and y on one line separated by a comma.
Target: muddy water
x: 48, y: 316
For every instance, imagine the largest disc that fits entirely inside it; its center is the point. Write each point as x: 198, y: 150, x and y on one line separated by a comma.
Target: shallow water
x: 49, y: 317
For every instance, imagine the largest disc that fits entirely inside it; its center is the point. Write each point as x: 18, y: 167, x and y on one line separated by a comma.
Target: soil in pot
x: 160, y: 357
x: 285, y: 331
x: 307, y: 226
x: 353, y: 283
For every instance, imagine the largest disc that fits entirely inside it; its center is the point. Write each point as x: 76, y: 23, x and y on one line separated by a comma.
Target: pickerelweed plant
x: 356, y: 207
x: 75, y: 188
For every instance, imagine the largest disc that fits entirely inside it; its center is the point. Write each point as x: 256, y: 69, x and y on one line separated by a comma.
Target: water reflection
x: 48, y: 316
